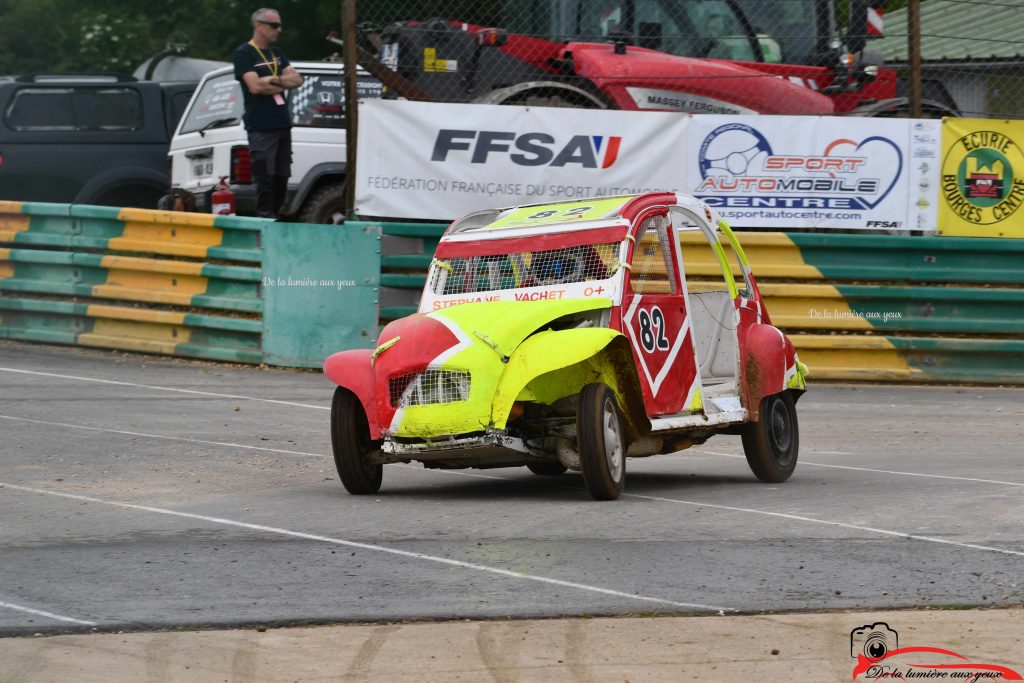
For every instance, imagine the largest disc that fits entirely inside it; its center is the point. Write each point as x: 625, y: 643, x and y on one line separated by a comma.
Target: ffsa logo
x: 528, y: 149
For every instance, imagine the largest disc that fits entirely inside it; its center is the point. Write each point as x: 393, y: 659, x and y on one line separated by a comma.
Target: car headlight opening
x: 429, y: 387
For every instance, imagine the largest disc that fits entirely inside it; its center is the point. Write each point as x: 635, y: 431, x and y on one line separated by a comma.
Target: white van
x: 210, y: 143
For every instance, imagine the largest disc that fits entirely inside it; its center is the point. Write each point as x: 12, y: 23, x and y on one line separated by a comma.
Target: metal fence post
x: 914, y: 54
x: 349, y: 51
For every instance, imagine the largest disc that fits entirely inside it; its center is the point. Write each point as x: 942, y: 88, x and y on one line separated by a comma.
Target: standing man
x: 265, y: 74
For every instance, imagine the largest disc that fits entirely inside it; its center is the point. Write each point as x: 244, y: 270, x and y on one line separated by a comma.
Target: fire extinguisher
x: 222, y: 202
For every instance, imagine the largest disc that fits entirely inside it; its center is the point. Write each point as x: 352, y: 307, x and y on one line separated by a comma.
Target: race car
x: 566, y: 336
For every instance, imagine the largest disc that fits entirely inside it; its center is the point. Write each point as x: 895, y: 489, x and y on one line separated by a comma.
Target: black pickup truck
x: 87, y: 139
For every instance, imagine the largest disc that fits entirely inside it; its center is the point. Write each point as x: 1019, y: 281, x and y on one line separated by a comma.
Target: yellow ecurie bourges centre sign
x: 982, y: 190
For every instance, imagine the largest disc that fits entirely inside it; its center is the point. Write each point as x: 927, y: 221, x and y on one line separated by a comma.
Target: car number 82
x: 652, y: 330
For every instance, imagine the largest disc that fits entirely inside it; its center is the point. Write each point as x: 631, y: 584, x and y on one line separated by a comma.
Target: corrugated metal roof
x: 961, y: 30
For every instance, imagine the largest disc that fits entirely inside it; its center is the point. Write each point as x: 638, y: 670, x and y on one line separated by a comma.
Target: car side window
x: 651, y: 267
x: 82, y: 109
x: 320, y: 101
x: 109, y: 109
x: 701, y: 256
x: 42, y: 109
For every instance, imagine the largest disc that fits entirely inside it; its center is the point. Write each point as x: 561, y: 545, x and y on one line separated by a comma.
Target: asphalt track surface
x: 146, y: 493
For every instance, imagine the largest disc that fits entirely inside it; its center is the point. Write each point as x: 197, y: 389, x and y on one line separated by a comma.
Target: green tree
x: 118, y: 35
x: 36, y: 36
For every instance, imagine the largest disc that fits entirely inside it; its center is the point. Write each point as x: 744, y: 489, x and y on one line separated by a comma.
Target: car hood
x: 503, y: 325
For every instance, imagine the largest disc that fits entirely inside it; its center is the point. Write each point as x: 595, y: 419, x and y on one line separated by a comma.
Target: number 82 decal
x: 652, y: 330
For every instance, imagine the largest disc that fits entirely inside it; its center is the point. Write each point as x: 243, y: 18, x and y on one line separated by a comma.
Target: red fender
x: 352, y: 370
x: 763, y: 365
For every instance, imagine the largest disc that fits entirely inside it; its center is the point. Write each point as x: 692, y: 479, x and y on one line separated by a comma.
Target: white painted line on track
x: 828, y: 522
x: 845, y: 525
x: 868, y: 469
x: 159, y: 388
x: 49, y: 615
x: 377, y: 548
x: 159, y: 436
x: 321, y: 455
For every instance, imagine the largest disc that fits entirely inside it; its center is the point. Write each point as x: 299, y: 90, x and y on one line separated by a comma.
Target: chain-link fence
x: 702, y: 56
x: 970, y: 50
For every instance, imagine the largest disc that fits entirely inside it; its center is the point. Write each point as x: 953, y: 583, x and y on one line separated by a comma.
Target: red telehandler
x: 698, y: 56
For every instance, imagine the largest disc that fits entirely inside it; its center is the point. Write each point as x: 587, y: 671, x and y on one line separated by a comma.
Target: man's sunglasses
x: 272, y: 24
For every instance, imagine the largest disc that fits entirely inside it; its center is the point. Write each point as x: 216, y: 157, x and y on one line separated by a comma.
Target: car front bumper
x: 443, y: 447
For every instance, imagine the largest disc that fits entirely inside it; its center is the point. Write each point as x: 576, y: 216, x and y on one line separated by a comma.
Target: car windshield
x: 472, y: 274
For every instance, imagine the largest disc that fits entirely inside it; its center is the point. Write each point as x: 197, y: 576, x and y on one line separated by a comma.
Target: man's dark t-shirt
x: 262, y: 112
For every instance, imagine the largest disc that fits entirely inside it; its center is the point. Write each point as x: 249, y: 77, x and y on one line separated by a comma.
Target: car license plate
x: 202, y: 168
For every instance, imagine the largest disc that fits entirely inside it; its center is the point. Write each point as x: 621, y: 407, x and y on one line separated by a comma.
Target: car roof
x: 76, y: 78
x: 590, y: 213
x: 329, y: 67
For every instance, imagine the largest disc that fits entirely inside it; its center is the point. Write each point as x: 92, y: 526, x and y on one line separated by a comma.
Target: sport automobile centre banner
x: 817, y: 172
x: 440, y: 161
x: 982, y: 178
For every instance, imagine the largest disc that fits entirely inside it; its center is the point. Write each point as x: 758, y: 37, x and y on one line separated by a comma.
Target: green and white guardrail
x: 184, y: 284
x: 858, y: 307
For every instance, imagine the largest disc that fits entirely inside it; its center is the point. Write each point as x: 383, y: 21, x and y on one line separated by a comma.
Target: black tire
x: 326, y: 205
x: 773, y: 442
x: 551, y: 100
x: 350, y: 440
x: 601, y: 439
x: 547, y: 469
x: 143, y: 197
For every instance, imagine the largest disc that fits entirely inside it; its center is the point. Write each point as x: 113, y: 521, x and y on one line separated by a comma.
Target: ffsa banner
x: 440, y: 161
x: 982, y: 187
x: 816, y: 172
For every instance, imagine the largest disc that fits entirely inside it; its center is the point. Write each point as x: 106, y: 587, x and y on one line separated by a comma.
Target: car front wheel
x: 602, y: 442
x: 772, y: 443
x: 350, y: 440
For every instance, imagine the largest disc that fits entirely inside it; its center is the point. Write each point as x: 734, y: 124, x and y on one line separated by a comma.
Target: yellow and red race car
x: 566, y: 336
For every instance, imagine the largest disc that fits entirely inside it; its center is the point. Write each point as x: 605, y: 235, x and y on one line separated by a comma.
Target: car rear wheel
x: 547, y: 469
x: 602, y: 443
x: 350, y: 440
x: 772, y: 443
x: 326, y: 205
